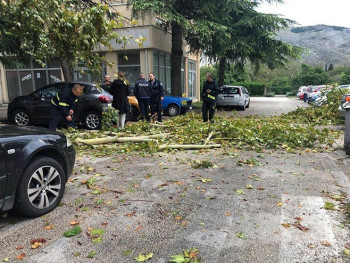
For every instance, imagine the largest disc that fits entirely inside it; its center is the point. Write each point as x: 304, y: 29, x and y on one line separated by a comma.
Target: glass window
x: 12, y: 84
x: 230, y: 91
x: 183, y: 76
x: 26, y: 82
x: 55, y: 63
x: 132, y: 74
x: 54, y: 76
x: 129, y: 58
x: 155, y: 58
x: 192, y: 78
x: 24, y: 63
x: 50, y: 92
x: 39, y: 78
x: 161, y: 60
x: 37, y: 65
x: 167, y: 85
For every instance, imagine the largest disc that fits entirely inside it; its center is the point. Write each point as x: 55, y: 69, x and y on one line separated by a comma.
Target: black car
x: 35, y: 164
x: 35, y: 107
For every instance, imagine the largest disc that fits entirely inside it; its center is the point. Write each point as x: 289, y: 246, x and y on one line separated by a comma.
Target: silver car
x: 233, y: 97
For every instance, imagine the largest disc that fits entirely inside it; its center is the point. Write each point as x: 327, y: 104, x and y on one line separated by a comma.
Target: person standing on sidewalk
x: 143, y: 95
x: 209, y: 93
x: 157, y: 96
x: 120, y: 89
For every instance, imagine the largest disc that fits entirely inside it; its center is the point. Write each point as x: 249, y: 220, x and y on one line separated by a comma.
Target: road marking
x: 299, y: 246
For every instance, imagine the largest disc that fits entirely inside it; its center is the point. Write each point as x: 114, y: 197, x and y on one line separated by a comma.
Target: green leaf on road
x: 73, y: 232
x: 178, y: 259
x: 203, y: 180
x: 329, y: 206
x: 143, y: 258
x: 127, y: 252
x: 242, y: 236
x: 91, y: 254
x: 240, y: 191
x: 249, y: 186
x: 5, y: 259
x: 347, y: 252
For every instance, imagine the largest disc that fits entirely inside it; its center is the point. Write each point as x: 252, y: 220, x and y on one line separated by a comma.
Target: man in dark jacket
x: 209, y: 93
x: 157, y: 96
x: 142, y: 91
x: 62, y: 106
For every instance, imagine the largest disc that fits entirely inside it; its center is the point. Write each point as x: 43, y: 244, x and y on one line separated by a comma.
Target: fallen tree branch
x: 189, y: 146
x: 208, y: 139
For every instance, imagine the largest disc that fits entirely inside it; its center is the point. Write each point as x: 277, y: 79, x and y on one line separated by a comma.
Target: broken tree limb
x: 189, y: 146
x: 105, y: 140
x: 208, y: 139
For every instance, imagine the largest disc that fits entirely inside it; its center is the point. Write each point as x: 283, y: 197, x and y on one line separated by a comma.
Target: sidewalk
x: 3, y: 112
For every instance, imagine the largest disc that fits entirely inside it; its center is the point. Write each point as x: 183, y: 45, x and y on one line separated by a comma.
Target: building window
x: 129, y: 62
x: 162, y: 68
x: 82, y: 73
x: 28, y: 76
x: 192, y: 79
x: 183, y: 86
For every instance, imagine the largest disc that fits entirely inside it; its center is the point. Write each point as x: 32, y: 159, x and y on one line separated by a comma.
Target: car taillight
x: 347, y: 98
x: 104, y: 99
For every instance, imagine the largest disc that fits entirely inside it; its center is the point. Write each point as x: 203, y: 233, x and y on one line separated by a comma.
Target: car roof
x: 227, y: 86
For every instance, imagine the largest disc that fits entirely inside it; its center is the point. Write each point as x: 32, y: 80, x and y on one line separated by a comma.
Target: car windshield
x: 230, y: 90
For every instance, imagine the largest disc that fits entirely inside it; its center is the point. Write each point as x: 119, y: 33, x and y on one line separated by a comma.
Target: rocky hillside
x: 323, y: 44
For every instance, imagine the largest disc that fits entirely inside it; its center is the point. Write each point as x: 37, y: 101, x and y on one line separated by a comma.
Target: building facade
x: 153, y: 56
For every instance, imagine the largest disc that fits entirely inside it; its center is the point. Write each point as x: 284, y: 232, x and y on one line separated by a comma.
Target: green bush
x: 270, y: 94
x: 254, y: 88
x: 290, y: 94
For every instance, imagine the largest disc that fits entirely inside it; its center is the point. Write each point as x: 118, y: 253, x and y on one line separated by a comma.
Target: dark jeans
x: 208, y: 106
x: 144, y: 107
x: 56, y: 117
x: 156, y: 106
x: 305, y: 97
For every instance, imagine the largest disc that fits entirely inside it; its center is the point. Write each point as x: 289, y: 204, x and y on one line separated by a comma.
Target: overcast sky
x: 312, y: 12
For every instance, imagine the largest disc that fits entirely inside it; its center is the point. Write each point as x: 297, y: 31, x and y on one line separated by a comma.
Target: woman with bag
x: 120, y: 89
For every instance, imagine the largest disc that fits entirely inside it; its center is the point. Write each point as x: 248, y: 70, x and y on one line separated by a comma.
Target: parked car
x: 173, y: 106
x: 35, y: 164
x: 341, y: 110
x: 35, y: 107
x: 233, y: 97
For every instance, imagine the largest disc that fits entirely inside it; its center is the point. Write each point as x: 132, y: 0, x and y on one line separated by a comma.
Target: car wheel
x: 92, y: 120
x: 173, y: 110
x: 41, y: 187
x: 248, y: 104
x: 21, y: 118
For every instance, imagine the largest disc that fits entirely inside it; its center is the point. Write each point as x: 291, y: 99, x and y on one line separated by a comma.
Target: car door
x: 3, y: 175
x: 42, y: 102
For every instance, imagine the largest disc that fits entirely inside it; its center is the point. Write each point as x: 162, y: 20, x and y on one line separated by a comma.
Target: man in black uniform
x: 142, y: 91
x: 209, y: 92
x: 62, y: 106
x: 157, y: 96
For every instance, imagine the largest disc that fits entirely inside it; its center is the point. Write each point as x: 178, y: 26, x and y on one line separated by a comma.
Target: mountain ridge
x: 323, y: 44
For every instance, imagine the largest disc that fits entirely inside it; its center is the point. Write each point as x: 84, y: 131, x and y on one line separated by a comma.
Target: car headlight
x: 184, y: 103
x: 69, y: 143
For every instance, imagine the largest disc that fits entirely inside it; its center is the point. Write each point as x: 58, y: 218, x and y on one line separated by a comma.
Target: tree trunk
x: 222, y: 66
x: 67, y: 70
x: 176, y: 59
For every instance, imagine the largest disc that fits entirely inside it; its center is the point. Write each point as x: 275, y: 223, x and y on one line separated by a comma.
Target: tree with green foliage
x: 345, y: 77
x: 187, y: 19
x: 251, y: 36
x: 331, y: 67
x: 71, y: 30
x: 310, y: 76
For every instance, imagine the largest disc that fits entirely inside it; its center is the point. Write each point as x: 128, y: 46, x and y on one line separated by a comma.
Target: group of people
x: 148, y: 93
